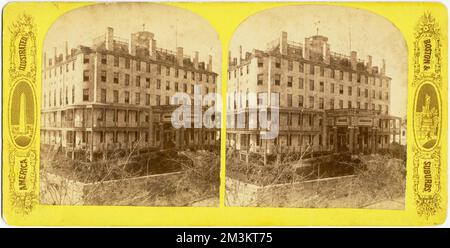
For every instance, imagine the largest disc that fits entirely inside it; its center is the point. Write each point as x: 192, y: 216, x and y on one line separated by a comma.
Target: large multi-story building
x: 115, y: 94
x: 327, y: 101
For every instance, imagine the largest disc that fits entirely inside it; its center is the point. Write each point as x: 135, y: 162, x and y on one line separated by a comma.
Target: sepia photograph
x: 316, y: 110
x: 108, y: 135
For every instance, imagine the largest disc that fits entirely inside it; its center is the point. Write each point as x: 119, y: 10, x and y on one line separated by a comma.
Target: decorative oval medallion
x: 22, y: 111
x: 426, y: 117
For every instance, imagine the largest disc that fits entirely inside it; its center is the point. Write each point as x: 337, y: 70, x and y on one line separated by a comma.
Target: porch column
x: 335, y: 141
x: 373, y: 141
x: 351, y: 139
x: 161, y: 135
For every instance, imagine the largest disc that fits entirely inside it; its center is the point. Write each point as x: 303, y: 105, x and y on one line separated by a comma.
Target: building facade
x: 116, y: 94
x: 327, y: 101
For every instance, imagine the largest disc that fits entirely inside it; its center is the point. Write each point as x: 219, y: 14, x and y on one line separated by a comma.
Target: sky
x: 172, y: 27
x: 347, y: 29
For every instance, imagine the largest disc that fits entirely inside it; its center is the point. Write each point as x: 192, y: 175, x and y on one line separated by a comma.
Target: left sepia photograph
x: 130, y: 113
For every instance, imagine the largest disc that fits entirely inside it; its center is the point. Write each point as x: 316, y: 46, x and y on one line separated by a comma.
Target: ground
x: 378, y: 181
x: 163, y: 178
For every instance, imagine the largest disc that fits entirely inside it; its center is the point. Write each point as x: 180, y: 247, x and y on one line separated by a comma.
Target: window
x: 103, y: 95
x: 358, y: 78
x: 289, y: 100
x: 127, y: 97
x: 341, y: 75
x: 185, y: 88
x: 260, y: 62
x: 358, y: 105
x: 300, y: 83
x: 277, y: 63
x: 322, y: 87
x: 359, y: 92
x: 341, y: 89
x: 116, y: 77
x: 127, y: 79
x: 127, y: 63
x: 332, y: 88
x: 167, y: 85
x: 148, y: 68
x: 147, y: 99
x: 192, y: 88
x: 311, y: 85
x: 300, y: 101
x: 301, y: 67
x: 116, y: 96
x: 366, y: 105
x: 331, y: 73
x: 138, y: 65
x: 311, y: 102
x: 366, y: 93
x: 73, y: 94
x: 350, y: 76
x: 147, y: 82
x: 138, y: 81
x: 349, y: 90
x: 85, y: 59
x: 137, y: 98
x: 387, y: 95
x: 167, y: 71
x: 373, y: 94
x: 321, y: 104
x: 290, y: 65
x: 103, y: 76
x: 260, y: 79
x: 300, y: 120
x: 176, y: 86
x: 349, y: 104
x: 289, y: 82
x: 158, y: 100
x: 311, y: 69
x: 322, y: 71
x: 86, y: 75
x: 277, y: 79
x: 85, y: 95
x: 331, y: 103
x: 373, y: 106
x: 158, y: 84
x: 167, y: 100
x: 104, y: 59
x: 116, y: 61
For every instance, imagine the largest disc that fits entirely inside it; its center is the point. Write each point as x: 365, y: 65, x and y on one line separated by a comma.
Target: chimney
x: 180, y: 55
x: 369, y: 63
x: 248, y: 55
x: 283, y: 43
x: 353, y: 59
x: 326, y: 55
x: 66, y: 50
x: 152, y: 47
x: 109, y: 38
x: 229, y: 57
x: 209, y: 67
x: 306, y: 48
x: 45, y: 60
x: 240, y: 54
x: 196, y: 60
x: 234, y: 61
x: 133, y: 43
x: 55, y: 55
x: 383, y: 67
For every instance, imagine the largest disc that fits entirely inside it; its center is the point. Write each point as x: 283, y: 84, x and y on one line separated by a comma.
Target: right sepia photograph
x: 316, y: 110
